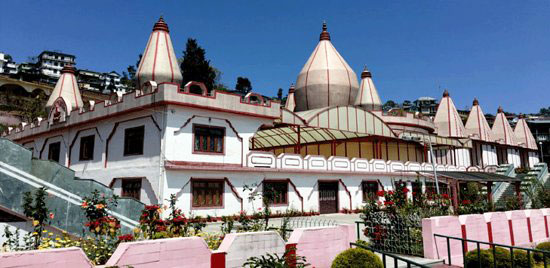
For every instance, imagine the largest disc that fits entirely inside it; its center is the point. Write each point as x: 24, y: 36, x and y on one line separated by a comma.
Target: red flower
x: 125, y: 238
x: 381, y: 193
x: 388, y: 203
x: 390, y: 192
x: 466, y: 202
x: 51, y: 216
x: 445, y: 196
x: 405, y: 190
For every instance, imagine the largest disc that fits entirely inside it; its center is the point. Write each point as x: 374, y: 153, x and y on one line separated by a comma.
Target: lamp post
x: 418, y: 139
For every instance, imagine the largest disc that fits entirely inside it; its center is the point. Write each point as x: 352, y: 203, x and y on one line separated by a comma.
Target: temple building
x: 329, y: 149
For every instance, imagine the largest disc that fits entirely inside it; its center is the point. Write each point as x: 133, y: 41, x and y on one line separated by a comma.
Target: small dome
x: 66, y: 89
x: 368, y: 96
x: 159, y: 62
x: 326, y: 79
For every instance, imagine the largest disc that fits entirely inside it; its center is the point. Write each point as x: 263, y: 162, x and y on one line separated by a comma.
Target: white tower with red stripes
x: 368, y: 97
x: 159, y: 63
x: 66, y: 94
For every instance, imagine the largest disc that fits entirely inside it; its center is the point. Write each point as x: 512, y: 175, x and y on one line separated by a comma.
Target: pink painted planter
x: 51, y: 258
x: 172, y: 252
x: 321, y: 245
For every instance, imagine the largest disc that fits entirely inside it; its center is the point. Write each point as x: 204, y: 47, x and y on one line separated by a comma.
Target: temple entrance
x: 328, y: 197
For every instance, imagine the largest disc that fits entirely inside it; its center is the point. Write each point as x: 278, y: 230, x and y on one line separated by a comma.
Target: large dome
x: 326, y: 79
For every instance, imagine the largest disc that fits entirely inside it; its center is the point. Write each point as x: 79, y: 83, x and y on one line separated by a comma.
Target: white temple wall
x: 489, y: 155
x: 462, y: 157
x: 179, y: 135
x: 514, y: 157
x: 179, y: 182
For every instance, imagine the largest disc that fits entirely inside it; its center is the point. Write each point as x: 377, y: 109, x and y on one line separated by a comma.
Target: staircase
x: 19, y: 173
x: 502, y: 190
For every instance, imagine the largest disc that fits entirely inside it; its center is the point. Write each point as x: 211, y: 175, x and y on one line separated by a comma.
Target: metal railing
x: 396, y: 258
x: 304, y: 222
x: 493, y: 246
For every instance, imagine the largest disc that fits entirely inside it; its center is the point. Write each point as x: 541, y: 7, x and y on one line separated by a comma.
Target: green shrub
x: 357, y: 258
x: 521, y: 260
x: 542, y: 246
x: 487, y: 258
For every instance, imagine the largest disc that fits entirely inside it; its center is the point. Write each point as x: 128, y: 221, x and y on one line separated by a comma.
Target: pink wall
x: 518, y: 227
x: 436, y: 248
x: 321, y: 245
x: 172, y: 252
x: 52, y: 258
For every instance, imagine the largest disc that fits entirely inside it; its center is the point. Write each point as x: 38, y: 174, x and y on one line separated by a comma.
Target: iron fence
x: 394, y: 233
x: 493, y: 247
x: 396, y: 258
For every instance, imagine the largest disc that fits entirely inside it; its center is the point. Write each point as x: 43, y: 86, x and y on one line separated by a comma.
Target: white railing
x: 339, y: 163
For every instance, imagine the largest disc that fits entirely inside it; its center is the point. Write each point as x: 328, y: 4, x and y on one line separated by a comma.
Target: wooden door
x: 328, y: 197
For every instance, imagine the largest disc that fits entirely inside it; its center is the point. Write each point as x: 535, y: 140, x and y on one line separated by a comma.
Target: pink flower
x: 51, y: 216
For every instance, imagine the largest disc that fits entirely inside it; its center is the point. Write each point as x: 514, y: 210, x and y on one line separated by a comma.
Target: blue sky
x: 497, y: 51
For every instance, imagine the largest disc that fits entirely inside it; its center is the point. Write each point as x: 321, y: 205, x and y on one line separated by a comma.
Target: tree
x: 243, y: 85
x: 389, y: 105
x: 544, y: 111
x: 195, y: 66
x: 280, y: 94
x: 129, y: 78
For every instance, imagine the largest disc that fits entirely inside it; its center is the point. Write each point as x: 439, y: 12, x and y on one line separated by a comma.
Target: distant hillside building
x: 50, y: 64
x: 100, y: 82
x: 7, y: 65
x: 426, y: 105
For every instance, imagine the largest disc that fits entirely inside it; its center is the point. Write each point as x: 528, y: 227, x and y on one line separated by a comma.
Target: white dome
x: 326, y: 79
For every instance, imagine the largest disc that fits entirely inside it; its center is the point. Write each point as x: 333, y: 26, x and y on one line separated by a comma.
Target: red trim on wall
x: 169, y: 57
x: 511, y: 229
x: 529, y: 229
x: 546, y: 225
x: 347, y: 191
x: 297, y: 193
x: 291, y: 248
x: 217, y: 259
x: 74, y: 140
x: 226, y: 180
x: 464, y: 236
x: 155, y: 58
x: 490, y: 232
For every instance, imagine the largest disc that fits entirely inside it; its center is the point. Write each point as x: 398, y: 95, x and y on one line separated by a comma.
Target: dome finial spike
x: 446, y: 93
x: 475, y: 102
x: 500, y: 110
x: 365, y: 72
x: 324, y: 34
x: 161, y: 25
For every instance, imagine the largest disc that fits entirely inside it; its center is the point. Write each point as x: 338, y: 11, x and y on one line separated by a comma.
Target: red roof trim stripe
x: 169, y: 57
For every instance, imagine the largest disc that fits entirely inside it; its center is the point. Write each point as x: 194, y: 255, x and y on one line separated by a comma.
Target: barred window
x: 133, y: 140
x: 87, y: 147
x: 131, y: 188
x: 207, y: 193
x: 54, y: 151
x: 276, y: 192
x: 208, y: 139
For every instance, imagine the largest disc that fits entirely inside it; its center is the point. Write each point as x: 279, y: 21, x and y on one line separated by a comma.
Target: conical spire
x: 477, y: 126
x: 502, y: 131
x: 447, y: 120
x: 66, y: 89
x: 326, y: 79
x: 159, y: 62
x: 523, y: 134
x: 290, y: 101
x: 368, y: 96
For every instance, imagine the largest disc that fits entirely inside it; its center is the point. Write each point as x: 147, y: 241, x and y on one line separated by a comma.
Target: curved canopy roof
x: 321, y: 125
